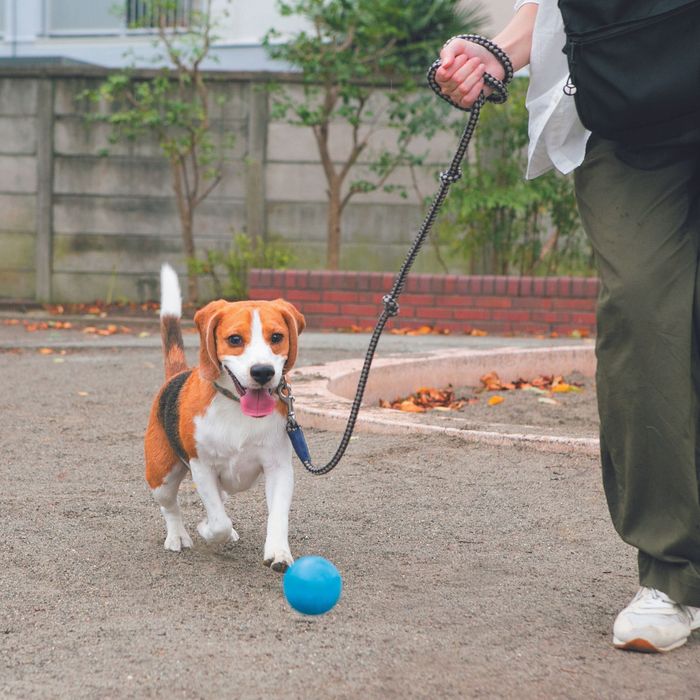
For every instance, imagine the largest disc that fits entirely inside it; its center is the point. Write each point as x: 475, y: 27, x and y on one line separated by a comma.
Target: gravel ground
x: 469, y: 572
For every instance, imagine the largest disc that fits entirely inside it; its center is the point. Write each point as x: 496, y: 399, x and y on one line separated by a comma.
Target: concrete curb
x: 324, y: 393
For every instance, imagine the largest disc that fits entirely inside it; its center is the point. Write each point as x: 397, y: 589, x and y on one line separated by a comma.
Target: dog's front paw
x: 215, y: 533
x: 278, y: 560
x: 177, y: 539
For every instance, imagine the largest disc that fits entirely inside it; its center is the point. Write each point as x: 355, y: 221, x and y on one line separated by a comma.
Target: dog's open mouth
x: 256, y: 403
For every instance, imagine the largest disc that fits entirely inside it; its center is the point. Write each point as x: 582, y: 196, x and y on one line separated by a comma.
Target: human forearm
x: 516, y: 37
x: 463, y: 63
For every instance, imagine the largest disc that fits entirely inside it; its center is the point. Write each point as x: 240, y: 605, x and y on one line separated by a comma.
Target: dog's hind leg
x: 166, y: 497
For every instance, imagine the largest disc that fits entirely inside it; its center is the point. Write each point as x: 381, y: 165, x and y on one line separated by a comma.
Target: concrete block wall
x: 460, y: 303
x: 114, y: 216
x: 84, y: 219
x: 18, y: 186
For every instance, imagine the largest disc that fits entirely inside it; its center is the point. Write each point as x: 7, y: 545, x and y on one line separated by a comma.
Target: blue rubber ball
x: 312, y: 585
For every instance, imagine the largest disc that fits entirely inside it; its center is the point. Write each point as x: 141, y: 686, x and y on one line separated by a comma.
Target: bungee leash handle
x: 499, y: 87
x: 390, y: 300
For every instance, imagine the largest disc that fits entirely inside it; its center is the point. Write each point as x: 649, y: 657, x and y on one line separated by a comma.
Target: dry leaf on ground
x: 425, y: 399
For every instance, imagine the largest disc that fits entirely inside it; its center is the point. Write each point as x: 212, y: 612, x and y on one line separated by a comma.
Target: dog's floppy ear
x: 296, y: 324
x: 206, y: 320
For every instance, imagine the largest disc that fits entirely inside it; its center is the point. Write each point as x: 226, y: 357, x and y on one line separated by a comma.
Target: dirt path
x: 468, y: 572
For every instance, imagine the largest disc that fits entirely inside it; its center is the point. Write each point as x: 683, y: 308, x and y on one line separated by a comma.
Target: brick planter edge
x: 458, y: 303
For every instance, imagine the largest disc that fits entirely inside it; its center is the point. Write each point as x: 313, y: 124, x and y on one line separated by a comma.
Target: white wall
x: 247, y: 21
x: 243, y: 23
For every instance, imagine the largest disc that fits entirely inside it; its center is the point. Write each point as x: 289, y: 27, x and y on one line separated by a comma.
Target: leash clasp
x: 294, y: 431
x: 284, y: 391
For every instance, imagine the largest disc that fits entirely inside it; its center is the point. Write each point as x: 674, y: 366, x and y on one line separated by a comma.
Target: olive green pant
x: 644, y: 225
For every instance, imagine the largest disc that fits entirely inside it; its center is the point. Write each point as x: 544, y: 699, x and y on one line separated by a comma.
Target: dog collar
x: 228, y: 394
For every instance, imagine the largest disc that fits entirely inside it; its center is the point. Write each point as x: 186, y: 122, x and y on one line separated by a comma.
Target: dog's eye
x: 235, y: 340
x: 276, y: 338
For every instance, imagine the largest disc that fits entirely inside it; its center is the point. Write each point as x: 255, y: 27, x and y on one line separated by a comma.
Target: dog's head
x: 253, y: 344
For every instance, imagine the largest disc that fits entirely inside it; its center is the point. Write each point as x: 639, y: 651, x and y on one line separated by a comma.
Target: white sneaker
x: 652, y: 622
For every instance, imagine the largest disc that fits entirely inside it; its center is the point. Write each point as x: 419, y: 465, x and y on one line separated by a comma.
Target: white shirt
x: 557, y: 137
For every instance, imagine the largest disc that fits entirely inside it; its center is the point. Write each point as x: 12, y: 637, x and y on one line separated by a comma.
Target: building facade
x: 98, y: 31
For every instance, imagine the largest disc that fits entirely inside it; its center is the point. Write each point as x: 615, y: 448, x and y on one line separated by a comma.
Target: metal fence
x: 175, y: 13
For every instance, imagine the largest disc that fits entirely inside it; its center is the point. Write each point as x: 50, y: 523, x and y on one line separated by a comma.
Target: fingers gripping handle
x: 500, y: 91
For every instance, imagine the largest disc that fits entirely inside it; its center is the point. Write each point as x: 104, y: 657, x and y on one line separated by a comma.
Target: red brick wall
x: 460, y: 303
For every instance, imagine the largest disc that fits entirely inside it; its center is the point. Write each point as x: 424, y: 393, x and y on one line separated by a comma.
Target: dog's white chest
x: 237, y: 446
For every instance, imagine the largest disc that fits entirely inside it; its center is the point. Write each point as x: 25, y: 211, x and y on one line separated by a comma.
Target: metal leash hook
x: 390, y: 300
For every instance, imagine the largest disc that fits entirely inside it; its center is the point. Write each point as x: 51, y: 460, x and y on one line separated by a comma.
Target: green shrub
x: 228, y: 270
x: 495, y: 221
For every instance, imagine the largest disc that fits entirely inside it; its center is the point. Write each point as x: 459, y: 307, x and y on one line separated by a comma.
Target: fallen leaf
x: 410, y: 407
x: 423, y: 330
x: 491, y: 381
x: 562, y: 388
x: 548, y: 400
x: 39, y: 326
x: 424, y: 399
x: 46, y: 351
x: 83, y: 393
x: 495, y: 400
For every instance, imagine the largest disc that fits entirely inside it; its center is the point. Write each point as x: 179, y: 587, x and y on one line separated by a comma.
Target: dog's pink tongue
x: 257, y: 403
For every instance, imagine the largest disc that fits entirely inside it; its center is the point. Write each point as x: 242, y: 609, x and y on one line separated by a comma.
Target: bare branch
x: 188, y: 191
x: 209, y: 189
x: 357, y: 145
x: 207, y: 39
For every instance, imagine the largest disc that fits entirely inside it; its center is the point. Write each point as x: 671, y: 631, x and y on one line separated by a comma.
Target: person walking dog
x: 638, y: 192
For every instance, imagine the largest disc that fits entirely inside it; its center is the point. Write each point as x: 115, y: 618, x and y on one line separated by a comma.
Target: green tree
x: 173, y: 106
x: 500, y: 223
x: 362, y: 62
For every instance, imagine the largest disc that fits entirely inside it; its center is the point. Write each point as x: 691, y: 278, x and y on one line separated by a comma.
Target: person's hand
x: 461, y: 73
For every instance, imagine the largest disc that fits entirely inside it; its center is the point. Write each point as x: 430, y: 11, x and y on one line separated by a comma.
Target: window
x: 142, y: 14
x: 86, y: 17
x: 82, y: 17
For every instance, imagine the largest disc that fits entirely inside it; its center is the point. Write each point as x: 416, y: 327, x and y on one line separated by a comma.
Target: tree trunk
x: 190, y: 252
x: 333, y: 230
x: 186, y: 214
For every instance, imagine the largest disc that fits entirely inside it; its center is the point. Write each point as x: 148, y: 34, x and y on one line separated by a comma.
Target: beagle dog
x: 223, y: 420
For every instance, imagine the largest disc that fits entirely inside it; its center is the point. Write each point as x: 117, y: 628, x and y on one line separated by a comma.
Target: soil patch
x: 572, y: 413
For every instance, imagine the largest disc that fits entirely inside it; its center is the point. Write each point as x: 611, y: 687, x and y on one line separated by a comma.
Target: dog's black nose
x: 262, y: 373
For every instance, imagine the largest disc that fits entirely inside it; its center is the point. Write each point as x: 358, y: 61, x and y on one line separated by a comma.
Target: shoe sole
x: 645, y: 646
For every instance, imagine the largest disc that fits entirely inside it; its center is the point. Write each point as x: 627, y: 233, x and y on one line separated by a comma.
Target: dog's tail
x: 170, y: 313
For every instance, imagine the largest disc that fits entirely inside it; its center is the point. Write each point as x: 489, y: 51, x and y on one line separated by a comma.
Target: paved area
x: 469, y: 571
x: 315, y: 347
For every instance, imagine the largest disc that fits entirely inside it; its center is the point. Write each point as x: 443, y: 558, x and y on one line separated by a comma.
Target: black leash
x: 390, y: 300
